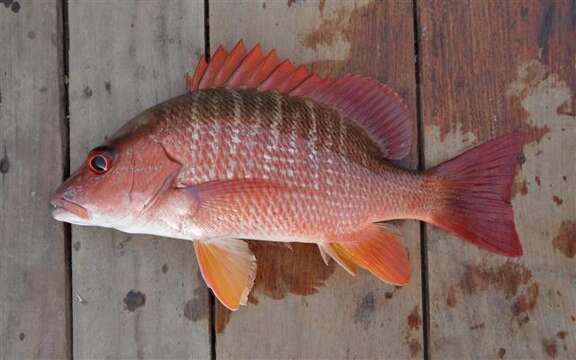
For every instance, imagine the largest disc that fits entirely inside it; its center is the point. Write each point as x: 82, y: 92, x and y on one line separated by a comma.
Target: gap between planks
x: 211, y: 298
x: 421, y: 167
x: 65, y: 133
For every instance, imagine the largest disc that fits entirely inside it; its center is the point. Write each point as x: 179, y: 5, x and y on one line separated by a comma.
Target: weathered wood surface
x: 301, y: 308
x: 134, y: 296
x: 33, y: 281
x: 488, y: 68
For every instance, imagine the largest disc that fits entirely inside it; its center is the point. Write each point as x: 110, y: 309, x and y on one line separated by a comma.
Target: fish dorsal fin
x: 375, y: 107
x: 229, y: 268
x: 376, y: 248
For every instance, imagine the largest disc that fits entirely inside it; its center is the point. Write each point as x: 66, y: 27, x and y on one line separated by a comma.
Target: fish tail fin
x: 475, y: 191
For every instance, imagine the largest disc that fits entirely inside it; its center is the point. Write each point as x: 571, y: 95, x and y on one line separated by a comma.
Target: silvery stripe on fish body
x: 313, y: 145
x: 257, y: 115
x: 194, y: 131
x: 277, y: 117
x: 214, y: 144
x: 235, y: 138
x: 234, y: 134
x: 268, y: 117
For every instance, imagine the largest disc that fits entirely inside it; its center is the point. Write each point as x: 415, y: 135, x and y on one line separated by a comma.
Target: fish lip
x: 61, y: 204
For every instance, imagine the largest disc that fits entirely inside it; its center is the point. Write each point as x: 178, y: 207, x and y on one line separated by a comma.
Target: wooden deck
x: 71, y: 72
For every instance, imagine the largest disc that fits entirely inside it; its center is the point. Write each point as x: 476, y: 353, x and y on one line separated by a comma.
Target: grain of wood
x: 33, y: 286
x: 135, y: 296
x: 300, y: 308
x: 489, y: 68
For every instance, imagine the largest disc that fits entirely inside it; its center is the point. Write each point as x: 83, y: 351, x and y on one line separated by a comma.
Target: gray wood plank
x: 33, y: 281
x: 300, y: 308
x: 490, y: 68
x: 135, y: 296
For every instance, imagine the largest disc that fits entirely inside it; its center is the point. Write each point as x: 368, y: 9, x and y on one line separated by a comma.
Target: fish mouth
x: 68, y: 211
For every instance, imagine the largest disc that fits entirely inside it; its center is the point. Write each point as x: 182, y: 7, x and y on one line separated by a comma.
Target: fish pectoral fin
x: 227, y: 195
x: 376, y: 248
x: 229, y: 269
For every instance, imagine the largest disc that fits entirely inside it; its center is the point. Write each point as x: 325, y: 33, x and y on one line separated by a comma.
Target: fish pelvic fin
x: 376, y: 248
x: 474, y: 195
x: 229, y: 268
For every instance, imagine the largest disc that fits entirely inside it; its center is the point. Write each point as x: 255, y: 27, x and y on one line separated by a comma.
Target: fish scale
x: 267, y: 121
x: 261, y: 149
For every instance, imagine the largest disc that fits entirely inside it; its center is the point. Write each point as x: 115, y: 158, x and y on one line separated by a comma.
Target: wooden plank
x: 33, y: 282
x: 489, y: 68
x: 300, y: 308
x: 135, y: 296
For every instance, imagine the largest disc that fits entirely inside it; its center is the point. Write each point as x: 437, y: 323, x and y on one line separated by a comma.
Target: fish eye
x: 99, y: 163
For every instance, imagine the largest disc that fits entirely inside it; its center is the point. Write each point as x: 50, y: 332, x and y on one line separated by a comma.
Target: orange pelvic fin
x: 229, y: 268
x: 376, y: 248
x: 373, y: 106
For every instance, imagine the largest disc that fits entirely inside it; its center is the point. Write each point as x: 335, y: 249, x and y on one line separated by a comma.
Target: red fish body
x: 313, y: 172
x: 262, y: 150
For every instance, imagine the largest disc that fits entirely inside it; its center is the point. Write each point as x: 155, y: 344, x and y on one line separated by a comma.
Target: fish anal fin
x: 327, y: 249
x: 376, y: 248
x: 229, y: 268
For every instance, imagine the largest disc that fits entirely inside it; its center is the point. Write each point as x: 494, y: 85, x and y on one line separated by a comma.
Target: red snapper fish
x: 260, y: 149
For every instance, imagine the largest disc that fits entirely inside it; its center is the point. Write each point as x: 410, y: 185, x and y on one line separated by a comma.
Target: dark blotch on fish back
x: 222, y: 104
x: 209, y: 106
x: 263, y: 108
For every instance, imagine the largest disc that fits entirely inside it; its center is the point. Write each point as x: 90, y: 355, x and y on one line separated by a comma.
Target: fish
x: 261, y: 149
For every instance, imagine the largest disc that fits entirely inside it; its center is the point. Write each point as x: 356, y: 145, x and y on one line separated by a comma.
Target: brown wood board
x: 490, y: 68
x: 300, y: 308
x: 134, y: 296
x: 33, y: 282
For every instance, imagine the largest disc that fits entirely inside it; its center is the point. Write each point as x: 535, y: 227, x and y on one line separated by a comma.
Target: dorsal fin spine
x: 213, y: 67
x: 194, y: 80
x: 280, y: 73
x: 230, y: 64
x: 263, y: 70
x: 298, y: 77
x: 246, y: 67
x: 306, y: 86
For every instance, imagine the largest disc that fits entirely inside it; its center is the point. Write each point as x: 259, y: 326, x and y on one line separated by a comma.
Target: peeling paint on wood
x: 479, y: 81
x: 565, y: 241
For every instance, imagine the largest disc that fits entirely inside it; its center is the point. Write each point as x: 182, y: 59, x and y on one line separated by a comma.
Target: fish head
x: 117, y: 182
